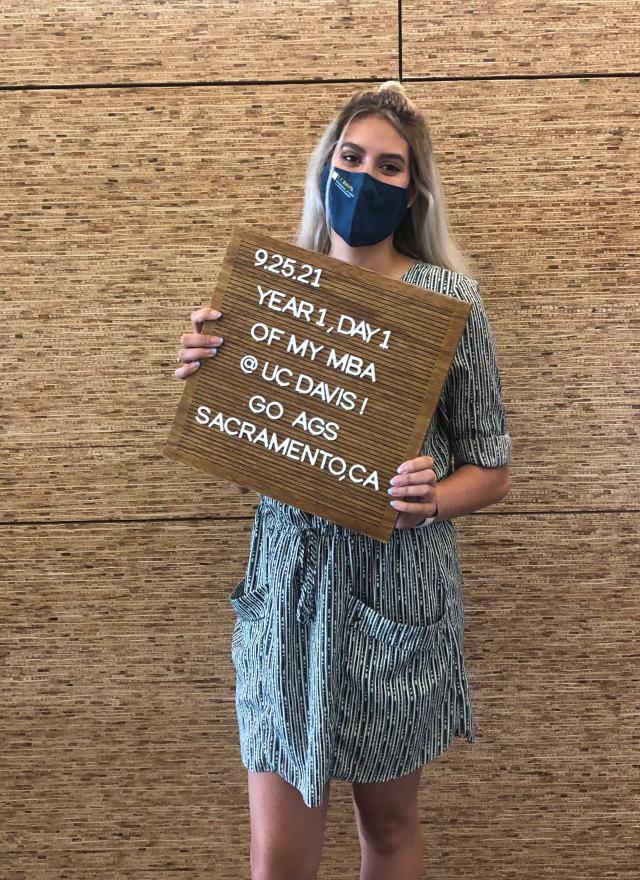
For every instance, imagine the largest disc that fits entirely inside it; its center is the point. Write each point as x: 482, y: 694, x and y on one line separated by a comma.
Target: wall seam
x: 313, y: 82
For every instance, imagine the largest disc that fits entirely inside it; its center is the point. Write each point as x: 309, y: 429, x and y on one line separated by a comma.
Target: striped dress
x: 349, y: 651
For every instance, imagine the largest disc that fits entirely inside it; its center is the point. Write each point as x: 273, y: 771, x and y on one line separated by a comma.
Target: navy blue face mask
x: 362, y: 209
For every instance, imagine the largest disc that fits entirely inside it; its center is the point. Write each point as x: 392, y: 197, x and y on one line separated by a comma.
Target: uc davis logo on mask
x: 345, y: 185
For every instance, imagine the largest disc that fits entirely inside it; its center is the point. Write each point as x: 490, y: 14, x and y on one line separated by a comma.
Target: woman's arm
x: 472, y: 396
x: 470, y: 488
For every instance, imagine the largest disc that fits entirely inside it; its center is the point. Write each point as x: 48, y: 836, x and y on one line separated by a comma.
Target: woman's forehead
x: 375, y: 134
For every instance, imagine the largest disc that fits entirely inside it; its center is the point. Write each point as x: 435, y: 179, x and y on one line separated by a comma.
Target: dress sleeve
x: 472, y: 393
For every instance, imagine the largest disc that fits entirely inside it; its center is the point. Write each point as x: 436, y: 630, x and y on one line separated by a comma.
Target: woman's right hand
x: 197, y: 345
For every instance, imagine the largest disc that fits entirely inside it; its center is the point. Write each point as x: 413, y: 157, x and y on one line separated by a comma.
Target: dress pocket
x: 395, y: 684
x: 250, y: 604
x: 249, y: 641
x: 394, y: 645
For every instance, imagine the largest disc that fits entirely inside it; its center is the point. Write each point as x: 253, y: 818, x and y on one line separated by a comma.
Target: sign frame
x: 423, y: 323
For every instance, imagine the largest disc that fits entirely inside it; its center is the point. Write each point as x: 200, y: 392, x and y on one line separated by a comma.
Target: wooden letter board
x: 327, y: 380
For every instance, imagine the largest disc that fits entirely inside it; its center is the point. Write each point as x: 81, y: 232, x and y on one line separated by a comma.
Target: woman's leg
x: 389, y: 828
x: 286, y: 835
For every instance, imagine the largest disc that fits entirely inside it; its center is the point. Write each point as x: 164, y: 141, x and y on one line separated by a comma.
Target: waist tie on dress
x: 307, y: 564
x: 309, y: 576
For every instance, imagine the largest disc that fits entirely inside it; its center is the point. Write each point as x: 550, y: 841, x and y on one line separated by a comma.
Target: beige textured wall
x: 134, y: 137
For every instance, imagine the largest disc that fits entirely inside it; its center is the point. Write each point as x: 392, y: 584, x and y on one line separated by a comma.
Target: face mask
x: 362, y: 209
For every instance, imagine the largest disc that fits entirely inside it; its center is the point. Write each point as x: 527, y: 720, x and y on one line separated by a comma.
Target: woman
x: 349, y: 651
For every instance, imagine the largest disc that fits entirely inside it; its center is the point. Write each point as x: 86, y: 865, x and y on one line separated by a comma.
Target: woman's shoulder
x: 447, y: 281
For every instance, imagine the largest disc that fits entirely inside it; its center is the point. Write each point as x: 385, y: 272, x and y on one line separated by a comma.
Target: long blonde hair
x: 424, y: 232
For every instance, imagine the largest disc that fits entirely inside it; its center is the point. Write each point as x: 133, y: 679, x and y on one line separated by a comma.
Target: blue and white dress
x: 349, y: 651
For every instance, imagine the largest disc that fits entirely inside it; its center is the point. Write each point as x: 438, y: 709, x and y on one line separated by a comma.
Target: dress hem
x: 467, y: 735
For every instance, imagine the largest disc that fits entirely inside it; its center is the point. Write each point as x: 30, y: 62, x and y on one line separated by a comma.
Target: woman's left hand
x: 414, y: 491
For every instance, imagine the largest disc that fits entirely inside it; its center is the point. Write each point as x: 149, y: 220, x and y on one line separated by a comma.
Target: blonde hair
x: 424, y: 232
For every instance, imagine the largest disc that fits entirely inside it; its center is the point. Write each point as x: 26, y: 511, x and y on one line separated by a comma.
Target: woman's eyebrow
x: 382, y: 155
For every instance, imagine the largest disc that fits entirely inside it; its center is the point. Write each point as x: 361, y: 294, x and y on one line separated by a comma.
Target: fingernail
x: 401, y: 469
x: 217, y: 313
x: 197, y: 363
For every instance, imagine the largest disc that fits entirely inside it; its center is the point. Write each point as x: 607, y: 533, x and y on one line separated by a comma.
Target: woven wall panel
x: 120, y: 754
x: 146, y: 41
x: 116, y: 215
x: 516, y: 37
x: 120, y: 751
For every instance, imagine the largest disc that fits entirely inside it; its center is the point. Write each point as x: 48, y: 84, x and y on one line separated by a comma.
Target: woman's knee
x: 390, y: 835
x: 274, y: 867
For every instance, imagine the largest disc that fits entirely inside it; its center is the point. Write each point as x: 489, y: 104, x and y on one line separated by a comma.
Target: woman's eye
x: 347, y: 156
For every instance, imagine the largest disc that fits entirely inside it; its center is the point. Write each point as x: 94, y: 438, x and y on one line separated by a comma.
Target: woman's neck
x: 382, y: 258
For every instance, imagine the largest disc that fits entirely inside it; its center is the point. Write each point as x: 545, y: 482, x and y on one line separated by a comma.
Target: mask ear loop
x: 326, y: 198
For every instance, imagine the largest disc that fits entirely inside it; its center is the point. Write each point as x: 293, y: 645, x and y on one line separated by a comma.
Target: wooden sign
x: 326, y: 381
